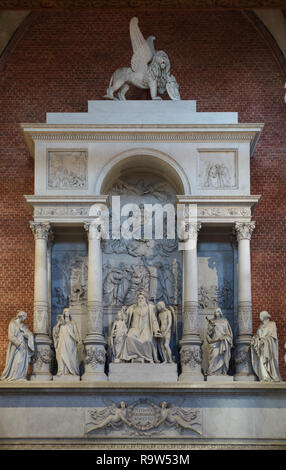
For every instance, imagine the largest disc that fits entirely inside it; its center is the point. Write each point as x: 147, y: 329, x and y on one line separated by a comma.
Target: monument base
x: 220, y: 378
x: 148, y: 373
x: 66, y: 378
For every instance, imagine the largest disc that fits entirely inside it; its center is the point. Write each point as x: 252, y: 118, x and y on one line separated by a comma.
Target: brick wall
x: 58, y: 61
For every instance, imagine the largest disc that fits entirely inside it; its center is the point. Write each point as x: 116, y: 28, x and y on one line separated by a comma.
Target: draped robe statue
x: 66, y: 339
x: 220, y: 340
x: 142, y: 330
x: 264, y: 350
x: 20, y: 349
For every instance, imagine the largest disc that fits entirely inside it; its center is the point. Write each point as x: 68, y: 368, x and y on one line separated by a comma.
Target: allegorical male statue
x: 66, y: 339
x: 20, y: 349
x: 220, y: 341
x: 165, y: 316
x: 142, y: 332
x: 264, y: 350
x: 149, y: 69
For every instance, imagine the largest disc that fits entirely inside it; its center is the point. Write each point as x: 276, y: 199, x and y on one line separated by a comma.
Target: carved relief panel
x: 152, y: 265
x: 217, y: 169
x: 67, y: 169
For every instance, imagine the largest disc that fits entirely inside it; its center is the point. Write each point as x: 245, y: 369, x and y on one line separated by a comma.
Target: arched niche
x: 143, y: 160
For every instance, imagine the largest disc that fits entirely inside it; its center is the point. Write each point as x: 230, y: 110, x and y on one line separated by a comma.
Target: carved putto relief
x: 143, y: 418
x: 67, y: 170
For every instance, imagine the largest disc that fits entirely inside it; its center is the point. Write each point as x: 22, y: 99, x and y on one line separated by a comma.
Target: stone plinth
x: 66, y: 378
x: 220, y: 378
x: 147, y: 373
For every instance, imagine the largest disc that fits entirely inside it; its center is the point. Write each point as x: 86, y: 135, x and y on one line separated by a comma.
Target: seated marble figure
x: 142, y: 332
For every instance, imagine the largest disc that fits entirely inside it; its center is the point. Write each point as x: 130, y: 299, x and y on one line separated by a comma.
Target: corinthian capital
x: 41, y: 230
x: 244, y: 230
x: 93, y: 230
x: 188, y: 230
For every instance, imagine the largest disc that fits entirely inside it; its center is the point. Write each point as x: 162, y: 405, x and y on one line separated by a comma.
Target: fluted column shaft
x: 94, y: 342
x: 244, y: 311
x: 190, y: 351
x: 43, y: 354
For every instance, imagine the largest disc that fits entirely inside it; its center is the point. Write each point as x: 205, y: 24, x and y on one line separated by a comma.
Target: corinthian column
x: 190, y: 351
x: 243, y: 365
x: 43, y: 354
x: 94, y: 342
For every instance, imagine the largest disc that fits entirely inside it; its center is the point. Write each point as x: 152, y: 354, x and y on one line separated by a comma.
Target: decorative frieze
x: 143, y: 137
x: 143, y: 418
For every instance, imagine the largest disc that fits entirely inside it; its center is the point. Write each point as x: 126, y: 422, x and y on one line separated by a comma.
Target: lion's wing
x: 142, y: 53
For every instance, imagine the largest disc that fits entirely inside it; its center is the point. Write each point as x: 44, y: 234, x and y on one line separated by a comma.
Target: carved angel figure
x: 179, y: 417
x: 149, y: 69
x: 111, y: 416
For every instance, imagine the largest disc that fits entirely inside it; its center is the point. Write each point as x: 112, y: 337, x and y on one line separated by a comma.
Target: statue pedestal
x: 147, y: 373
x: 66, y: 378
x: 220, y: 378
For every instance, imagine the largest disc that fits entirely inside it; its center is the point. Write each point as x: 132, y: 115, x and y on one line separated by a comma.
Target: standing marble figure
x: 264, y: 350
x: 142, y: 330
x: 20, y: 349
x: 220, y: 341
x: 166, y: 320
x: 118, y: 334
x: 66, y: 340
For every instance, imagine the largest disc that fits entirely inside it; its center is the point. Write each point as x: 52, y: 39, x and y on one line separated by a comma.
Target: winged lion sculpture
x: 150, y: 69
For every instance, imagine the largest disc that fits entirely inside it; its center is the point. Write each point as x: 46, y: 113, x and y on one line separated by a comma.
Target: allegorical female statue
x: 264, y: 350
x: 66, y: 339
x: 220, y: 341
x: 20, y: 349
x: 142, y: 330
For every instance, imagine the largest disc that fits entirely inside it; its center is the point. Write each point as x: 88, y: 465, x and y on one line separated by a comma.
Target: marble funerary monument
x: 142, y: 339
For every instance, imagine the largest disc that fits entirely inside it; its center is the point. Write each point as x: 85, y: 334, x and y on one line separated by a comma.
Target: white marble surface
x: 148, y: 373
x: 142, y: 112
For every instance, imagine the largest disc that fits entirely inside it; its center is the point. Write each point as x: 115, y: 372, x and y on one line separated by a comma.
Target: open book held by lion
x: 149, y: 69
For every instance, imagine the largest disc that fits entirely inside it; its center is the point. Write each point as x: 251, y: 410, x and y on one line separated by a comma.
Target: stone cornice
x: 248, y: 132
x: 109, y: 387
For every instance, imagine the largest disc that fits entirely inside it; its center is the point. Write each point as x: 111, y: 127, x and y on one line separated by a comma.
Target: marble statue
x: 20, y: 350
x: 220, y: 342
x: 66, y: 340
x: 118, y: 334
x: 165, y: 316
x: 149, y: 69
x: 264, y: 350
x: 142, y: 333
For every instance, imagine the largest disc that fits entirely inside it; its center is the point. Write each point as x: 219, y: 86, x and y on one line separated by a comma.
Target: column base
x: 95, y: 354
x: 244, y: 371
x: 41, y: 361
x: 191, y: 359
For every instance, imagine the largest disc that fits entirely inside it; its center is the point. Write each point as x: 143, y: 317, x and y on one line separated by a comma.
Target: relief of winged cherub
x: 149, y: 69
